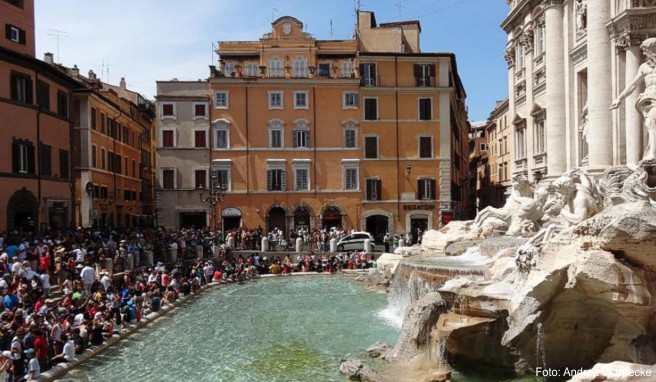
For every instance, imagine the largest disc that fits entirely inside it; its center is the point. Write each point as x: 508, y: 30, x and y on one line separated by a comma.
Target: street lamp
x: 217, y: 193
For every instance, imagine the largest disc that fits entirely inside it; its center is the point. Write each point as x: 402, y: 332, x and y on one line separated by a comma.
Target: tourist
x: 68, y: 351
x: 6, y: 365
x: 33, y: 368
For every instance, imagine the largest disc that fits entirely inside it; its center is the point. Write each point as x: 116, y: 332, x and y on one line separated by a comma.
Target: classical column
x: 555, y: 92
x: 600, y: 131
x: 633, y: 120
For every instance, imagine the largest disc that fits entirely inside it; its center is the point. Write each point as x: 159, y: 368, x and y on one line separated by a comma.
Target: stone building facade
x: 368, y: 133
x: 567, y: 61
x: 183, y: 152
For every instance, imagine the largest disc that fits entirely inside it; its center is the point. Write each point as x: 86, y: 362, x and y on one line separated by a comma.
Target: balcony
x: 369, y: 81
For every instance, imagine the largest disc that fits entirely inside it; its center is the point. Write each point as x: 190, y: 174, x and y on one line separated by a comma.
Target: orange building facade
x: 35, y: 163
x: 365, y: 134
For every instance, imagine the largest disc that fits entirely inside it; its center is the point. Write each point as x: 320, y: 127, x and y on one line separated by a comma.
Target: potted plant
x: 312, y: 70
x: 262, y: 70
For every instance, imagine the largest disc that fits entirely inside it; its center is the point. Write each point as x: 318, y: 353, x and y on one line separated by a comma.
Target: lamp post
x: 217, y: 193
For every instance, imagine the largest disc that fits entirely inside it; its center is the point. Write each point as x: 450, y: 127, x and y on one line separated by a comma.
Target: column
x: 633, y: 120
x: 600, y: 132
x: 555, y: 92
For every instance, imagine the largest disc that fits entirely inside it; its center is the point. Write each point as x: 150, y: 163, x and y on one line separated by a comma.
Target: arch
x: 331, y: 216
x: 303, y: 216
x: 231, y: 212
x: 276, y: 123
x: 350, y: 123
x: 222, y: 121
x: 378, y: 223
x: 22, y: 210
x: 301, y: 123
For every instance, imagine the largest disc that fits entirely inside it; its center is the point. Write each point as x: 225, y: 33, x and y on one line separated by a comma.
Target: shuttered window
x: 425, y: 109
x: 276, y: 180
x: 21, y: 87
x: 45, y: 159
x: 167, y: 138
x: 168, y: 179
x: 373, y: 189
x: 64, y: 164
x: 23, y: 157
x: 371, y: 147
x: 370, y: 109
x: 426, y: 189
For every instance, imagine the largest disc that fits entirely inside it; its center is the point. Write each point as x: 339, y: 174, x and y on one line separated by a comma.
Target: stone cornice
x: 579, y: 54
x: 551, y: 3
x: 631, y: 27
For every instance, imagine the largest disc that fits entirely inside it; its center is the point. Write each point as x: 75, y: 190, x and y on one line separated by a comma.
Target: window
x: 373, y: 189
x: 168, y: 138
x: 539, y: 137
x: 350, y: 100
x: 229, y: 69
x: 200, y: 179
x: 520, y: 142
x: 275, y: 67
x: 425, y: 109
x: 64, y: 167
x: 350, y: 176
x: 426, y: 189
x: 425, y: 75
x: 301, y: 138
x: 134, y: 168
x: 200, y: 110
x: 21, y: 87
x: 301, y: 100
x: 275, y: 100
x: 102, y: 122
x: 276, y: 176
x: 199, y: 139
x: 221, y: 135
x: 425, y: 147
x: 371, y: 147
x: 23, y: 157
x: 299, y: 67
x: 371, y: 109
x: 62, y: 104
x: 125, y: 164
x: 350, y: 138
x: 368, y: 74
x: 519, y: 57
x: 221, y: 171
x: 168, y: 110
x: 168, y: 179
x: 324, y: 70
x: 346, y: 69
x: 15, y: 34
x: 43, y: 95
x: 483, y: 147
x: 103, y: 164
x: 302, y: 175
x: 221, y: 100
x: 45, y: 159
x: 94, y: 156
x: 94, y: 116
x: 539, y: 39
x: 276, y: 135
x: 250, y: 70
x: 117, y: 163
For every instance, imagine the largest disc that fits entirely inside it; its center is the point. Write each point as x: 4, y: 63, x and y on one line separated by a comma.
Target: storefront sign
x: 409, y: 207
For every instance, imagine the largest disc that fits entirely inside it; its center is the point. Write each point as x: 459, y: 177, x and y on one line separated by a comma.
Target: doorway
x: 331, y: 217
x: 193, y: 219
x: 276, y: 219
x: 418, y: 225
x: 377, y: 225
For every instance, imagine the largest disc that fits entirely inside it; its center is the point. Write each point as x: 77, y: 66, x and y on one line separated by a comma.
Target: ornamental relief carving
x: 509, y: 56
x: 526, y: 39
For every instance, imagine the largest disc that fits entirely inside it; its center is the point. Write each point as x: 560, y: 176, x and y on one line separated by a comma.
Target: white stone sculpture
x: 517, y: 215
x: 647, y: 99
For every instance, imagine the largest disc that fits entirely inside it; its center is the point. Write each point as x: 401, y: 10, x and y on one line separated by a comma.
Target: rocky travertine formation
x: 417, y: 326
x: 572, y: 287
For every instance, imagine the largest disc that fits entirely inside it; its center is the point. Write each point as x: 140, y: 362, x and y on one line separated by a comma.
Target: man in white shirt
x: 88, y: 275
x: 68, y: 354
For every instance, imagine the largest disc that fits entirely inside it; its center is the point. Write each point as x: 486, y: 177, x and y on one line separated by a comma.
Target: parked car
x: 355, y: 242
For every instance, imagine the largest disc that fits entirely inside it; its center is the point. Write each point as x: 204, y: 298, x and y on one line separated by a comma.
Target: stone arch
x: 378, y: 223
x: 303, y: 217
x: 22, y: 210
x: 332, y: 215
x: 276, y: 216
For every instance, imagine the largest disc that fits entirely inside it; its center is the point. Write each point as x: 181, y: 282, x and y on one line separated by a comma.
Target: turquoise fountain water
x: 291, y: 329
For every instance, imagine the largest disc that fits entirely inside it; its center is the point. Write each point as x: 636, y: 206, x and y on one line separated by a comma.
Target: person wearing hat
x: 33, y: 368
x: 6, y: 364
x: 16, y: 349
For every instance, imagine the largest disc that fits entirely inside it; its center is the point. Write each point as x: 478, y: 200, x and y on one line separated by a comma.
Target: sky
x: 157, y: 40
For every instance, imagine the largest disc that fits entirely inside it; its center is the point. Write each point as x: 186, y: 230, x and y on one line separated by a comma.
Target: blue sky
x: 150, y: 40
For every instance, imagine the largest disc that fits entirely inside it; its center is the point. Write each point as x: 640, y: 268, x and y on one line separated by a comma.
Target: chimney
x: 92, y: 75
x: 49, y: 58
x: 122, y: 83
x: 75, y: 72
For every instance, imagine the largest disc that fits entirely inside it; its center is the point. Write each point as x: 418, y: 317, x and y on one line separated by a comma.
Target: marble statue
x: 647, y: 99
x: 515, y: 216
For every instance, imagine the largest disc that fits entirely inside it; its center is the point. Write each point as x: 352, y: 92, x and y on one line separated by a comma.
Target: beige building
x: 183, y: 152
x: 368, y: 133
x: 567, y: 61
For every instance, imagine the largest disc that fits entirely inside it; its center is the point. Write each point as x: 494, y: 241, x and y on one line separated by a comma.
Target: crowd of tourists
x: 96, y: 299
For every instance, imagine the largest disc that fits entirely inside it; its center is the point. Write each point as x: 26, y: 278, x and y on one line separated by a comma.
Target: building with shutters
x: 35, y: 160
x: 368, y: 133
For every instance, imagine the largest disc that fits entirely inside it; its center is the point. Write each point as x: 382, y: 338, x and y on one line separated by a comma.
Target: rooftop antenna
x: 58, y: 35
x: 400, y: 6
x: 273, y: 12
x: 331, y: 28
x: 104, y: 68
